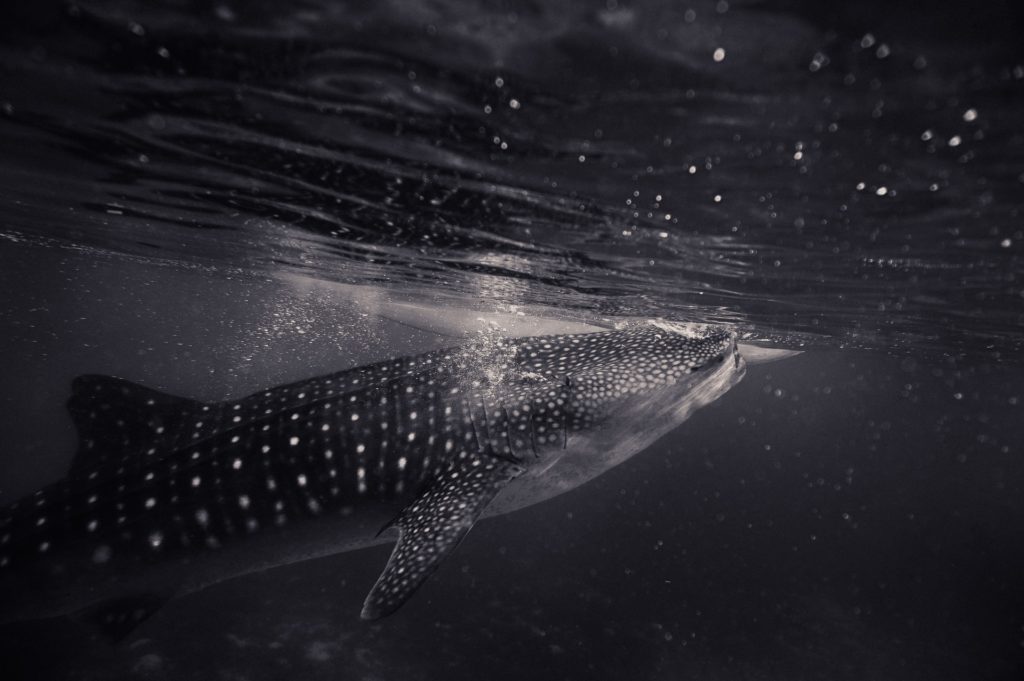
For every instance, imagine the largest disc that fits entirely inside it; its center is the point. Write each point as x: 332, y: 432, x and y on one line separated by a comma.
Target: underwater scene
x: 479, y: 339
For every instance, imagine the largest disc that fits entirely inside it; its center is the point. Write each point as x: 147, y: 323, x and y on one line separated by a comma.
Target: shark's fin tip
x: 116, y: 619
x: 370, y: 613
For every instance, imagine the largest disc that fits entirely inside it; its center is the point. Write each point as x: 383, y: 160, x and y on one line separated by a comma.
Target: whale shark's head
x: 623, y: 389
x: 700, y: 344
x: 656, y: 359
x: 639, y: 358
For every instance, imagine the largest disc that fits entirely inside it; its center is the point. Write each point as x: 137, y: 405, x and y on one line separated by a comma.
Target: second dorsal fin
x: 115, y: 418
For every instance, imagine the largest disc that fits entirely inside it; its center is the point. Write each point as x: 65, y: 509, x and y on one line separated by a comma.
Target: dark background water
x: 212, y: 198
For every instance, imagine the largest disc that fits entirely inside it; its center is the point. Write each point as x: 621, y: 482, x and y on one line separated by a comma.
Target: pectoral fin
x: 433, y: 525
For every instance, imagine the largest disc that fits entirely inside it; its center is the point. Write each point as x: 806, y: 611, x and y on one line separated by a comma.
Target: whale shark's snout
x: 751, y: 354
x: 712, y: 343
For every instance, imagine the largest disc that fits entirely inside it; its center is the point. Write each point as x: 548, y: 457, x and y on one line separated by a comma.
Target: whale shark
x: 167, y: 495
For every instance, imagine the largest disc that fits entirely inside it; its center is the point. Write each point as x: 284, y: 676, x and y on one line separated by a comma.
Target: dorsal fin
x: 115, y: 418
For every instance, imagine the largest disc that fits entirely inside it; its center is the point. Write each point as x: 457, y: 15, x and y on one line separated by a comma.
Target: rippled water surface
x: 213, y: 198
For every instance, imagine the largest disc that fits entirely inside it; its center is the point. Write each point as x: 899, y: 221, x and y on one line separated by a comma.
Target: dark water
x: 212, y: 198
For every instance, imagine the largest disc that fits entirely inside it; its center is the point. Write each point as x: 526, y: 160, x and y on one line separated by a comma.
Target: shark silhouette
x: 167, y: 495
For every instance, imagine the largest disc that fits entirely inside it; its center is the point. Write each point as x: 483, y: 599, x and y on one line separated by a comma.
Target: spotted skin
x: 432, y: 525
x: 167, y: 495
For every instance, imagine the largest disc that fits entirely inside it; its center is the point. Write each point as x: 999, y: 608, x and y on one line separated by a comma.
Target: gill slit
x: 472, y: 424
x: 533, y: 435
x: 565, y: 411
x: 394, y: 418
x: 487, y: 426
x: 508, y: 434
